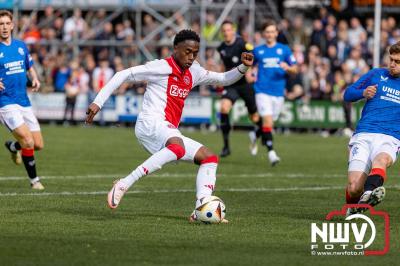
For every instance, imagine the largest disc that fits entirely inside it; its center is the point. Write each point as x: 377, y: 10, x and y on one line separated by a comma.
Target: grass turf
x: 270, y: 209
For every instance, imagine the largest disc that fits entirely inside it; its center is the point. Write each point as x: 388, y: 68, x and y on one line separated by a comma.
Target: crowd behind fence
x: 78, y: 52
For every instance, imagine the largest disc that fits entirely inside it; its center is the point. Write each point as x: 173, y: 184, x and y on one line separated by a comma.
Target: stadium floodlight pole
x: 138, y: 31
x: 377, y: 32
x: 15, y: 17
x: 252, y: 20
x: 203, y: 42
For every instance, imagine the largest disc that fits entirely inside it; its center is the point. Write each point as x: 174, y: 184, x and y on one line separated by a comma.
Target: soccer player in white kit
x: 169, y: 82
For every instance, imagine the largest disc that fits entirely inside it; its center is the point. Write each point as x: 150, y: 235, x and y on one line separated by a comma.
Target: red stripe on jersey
x: 178, y: 87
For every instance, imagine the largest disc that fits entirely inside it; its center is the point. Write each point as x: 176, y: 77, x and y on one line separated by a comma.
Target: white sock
x: 154, y: 163
x: 12, y: 147
x: 36, y: 179
x: 205, y: 182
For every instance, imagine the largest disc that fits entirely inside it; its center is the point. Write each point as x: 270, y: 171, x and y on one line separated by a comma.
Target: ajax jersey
x: 167, y: 86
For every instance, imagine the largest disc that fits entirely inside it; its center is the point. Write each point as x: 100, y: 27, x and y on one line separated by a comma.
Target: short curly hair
x: 184, y: 35
x: 395, y: 48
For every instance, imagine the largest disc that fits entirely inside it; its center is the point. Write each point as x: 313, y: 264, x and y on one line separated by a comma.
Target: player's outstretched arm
x: 229, y: 77
x: 92, y: 110
x: 114, y: 83
x: 1, y: 84
x: 247, y: 59
x: 362, y: 88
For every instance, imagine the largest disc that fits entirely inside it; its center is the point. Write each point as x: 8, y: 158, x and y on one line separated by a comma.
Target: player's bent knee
x: 354, y: 189
x: 27, y: 142
x: 38, y: 147
x: 177, y: 149
x: 210, y: 159
x: 383, y: 161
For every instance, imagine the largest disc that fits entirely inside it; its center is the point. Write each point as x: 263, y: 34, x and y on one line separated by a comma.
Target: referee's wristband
x: 242, y: 69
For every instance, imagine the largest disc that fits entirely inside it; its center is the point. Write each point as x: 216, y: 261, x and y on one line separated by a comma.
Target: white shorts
x: 364, y: 147
x: 154, y: 133
x: 269, y: 105
x: 14, y: 115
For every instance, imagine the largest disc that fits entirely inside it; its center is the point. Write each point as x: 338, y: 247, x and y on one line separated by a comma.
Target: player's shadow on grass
x: 120, y: 214
x: 165, y: 216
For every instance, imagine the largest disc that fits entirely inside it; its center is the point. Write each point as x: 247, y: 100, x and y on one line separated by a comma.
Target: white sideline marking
x: 180, y: 175
x: 87, y: 193
x: 68, y: 193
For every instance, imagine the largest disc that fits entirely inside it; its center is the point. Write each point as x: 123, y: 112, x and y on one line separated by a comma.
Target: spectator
x: 74, y: 26
x: 331, y: 55
x: 323, y: 16
x: 128, y: 30
x: 283, y: 28
x: 181, y: 22
x: 72, y: 89
x: 332, y: 21
x: 106, y: 33
x: 32, y: 34
x: 343, y: 47
x: 168, y: 38
x: 318, y: 36
x: 210, y: 31
x: 48, y: 18
x: 297, y: 31
x: 149, y: 26
x: 315, y: 93
x: 101, y: 75
x: 58, y: 26
x: 61, y: 76
x: 369, y: 26
x: 330, y: 33
x: 195, y: 26
x: 355, y: 63
x: 356, y: 29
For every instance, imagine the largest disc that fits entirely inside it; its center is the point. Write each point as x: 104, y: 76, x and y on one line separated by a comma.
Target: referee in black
x: 230, y: 50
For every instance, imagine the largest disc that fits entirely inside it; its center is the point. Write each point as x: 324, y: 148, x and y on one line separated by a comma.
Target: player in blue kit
x: 15, y: 108
x: 376, y: 142
x: 274, y: 61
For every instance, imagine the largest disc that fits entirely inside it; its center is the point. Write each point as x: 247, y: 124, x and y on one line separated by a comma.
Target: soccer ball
x: 211, y: 210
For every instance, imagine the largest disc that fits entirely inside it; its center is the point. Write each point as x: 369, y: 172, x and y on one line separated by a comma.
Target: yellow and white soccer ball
x: 211, y: 210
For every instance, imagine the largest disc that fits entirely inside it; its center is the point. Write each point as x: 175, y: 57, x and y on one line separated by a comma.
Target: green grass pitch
x: 270, y: 209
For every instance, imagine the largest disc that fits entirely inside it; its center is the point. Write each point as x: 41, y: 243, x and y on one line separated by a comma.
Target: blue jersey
x: 271, y: 78
x: 381, y: 113
x: 15, y: 60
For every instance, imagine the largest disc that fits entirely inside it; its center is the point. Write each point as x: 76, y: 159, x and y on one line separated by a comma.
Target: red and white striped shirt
x: 167, y: 86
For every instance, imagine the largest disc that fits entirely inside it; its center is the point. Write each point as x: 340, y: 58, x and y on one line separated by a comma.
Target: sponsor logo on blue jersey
x: 381, y: 113
x: 271, y: 78
x: 15, y: 60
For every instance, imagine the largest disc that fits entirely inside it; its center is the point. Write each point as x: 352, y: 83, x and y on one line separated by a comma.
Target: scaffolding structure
x: 162, y: 11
